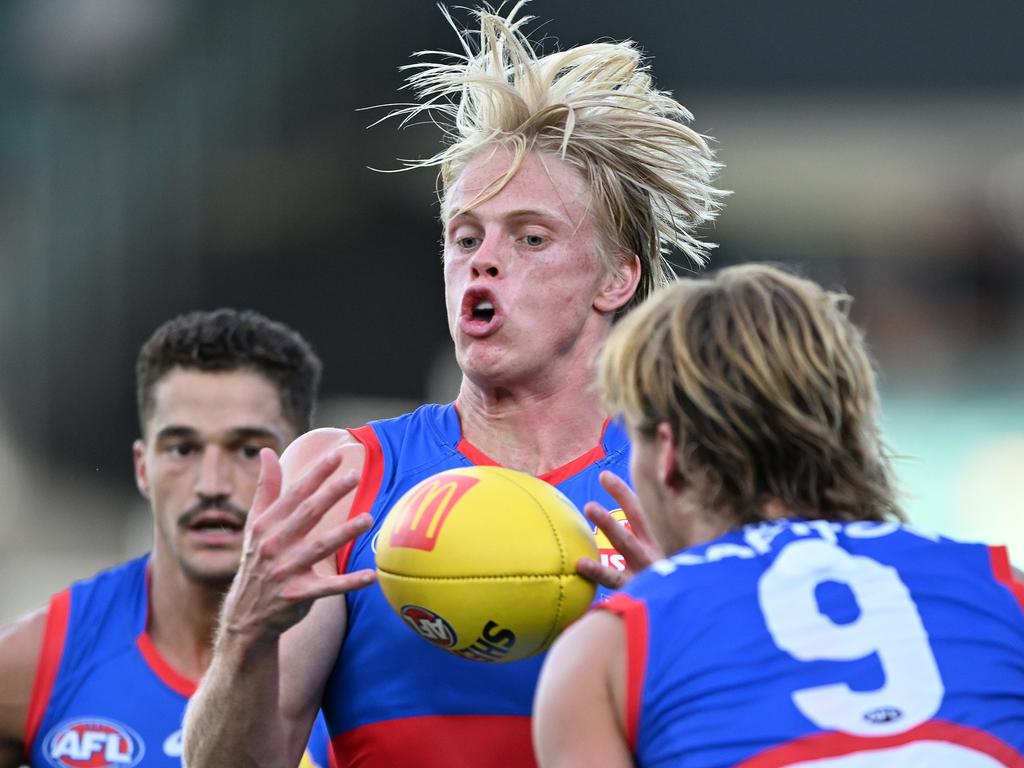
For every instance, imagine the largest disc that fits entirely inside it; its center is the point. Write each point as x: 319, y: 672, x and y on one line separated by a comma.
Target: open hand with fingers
x: 633, y: 542
x: 286, y: 537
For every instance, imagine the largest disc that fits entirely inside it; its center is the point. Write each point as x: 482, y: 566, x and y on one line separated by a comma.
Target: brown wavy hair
x: 767, y: 386
x: 595, y: 107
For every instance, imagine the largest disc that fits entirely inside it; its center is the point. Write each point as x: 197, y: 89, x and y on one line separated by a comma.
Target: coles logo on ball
x: 93, y: 743
x: 429, y: 625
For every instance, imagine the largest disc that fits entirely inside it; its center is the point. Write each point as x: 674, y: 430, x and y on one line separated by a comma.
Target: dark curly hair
x: 226, y: 340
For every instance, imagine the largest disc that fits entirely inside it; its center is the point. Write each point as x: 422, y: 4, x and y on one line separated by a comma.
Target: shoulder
x: 596, y: 638
x: 306, y: 449
x: 21, y: 639
x: 590, y: 649
x: 21, y: 643
x: 584, y: 672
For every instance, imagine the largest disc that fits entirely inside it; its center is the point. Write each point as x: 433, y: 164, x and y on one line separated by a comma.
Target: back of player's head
x: 594, y: 106
x: 768, y: 387
x: 227, y: 340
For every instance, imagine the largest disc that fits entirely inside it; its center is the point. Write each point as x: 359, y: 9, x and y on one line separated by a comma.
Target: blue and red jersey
x: 812, y: 643
x: 103, y: 696
x: 394, y: 700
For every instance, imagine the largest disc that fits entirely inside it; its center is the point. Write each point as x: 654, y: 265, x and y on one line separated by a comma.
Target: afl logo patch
x: 881, y: 715
x: 429, y: 625
x: 93, y: 743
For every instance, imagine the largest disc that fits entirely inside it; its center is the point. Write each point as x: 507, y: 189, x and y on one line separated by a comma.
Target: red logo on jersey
x: 93, y: 743
x: 429, y: 625
x: 422, y: 514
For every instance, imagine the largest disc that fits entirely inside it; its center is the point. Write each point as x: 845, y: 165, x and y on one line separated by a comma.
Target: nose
x: 487, y: 259
x: 214, y: 480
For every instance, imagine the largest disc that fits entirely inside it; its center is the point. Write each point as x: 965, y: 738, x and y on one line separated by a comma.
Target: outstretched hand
x: 277, y: 582
x: 633, y: 542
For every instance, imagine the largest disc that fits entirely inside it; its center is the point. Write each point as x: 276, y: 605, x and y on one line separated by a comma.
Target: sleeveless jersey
x: 103, y: 696
x: 808, y: 643
x: 394, y: 700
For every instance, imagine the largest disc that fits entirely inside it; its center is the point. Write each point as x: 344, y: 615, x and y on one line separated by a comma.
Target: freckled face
x: 198, y: 463
x: 522, y: 270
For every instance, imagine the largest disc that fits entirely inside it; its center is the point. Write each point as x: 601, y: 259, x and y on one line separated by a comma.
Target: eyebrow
x: 518, y: 214
x: 237, y: 434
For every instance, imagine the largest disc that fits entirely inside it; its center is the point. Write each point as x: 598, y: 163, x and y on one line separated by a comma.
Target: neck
x: 531, y: 431
x: 695, y: 522
x: 690, y: 520
x: 183, y: 616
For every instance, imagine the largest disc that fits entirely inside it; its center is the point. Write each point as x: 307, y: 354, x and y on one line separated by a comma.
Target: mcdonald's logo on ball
x: 420, y: 513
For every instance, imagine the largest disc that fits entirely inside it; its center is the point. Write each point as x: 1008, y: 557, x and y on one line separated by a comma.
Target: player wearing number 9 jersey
x: 798, y: 620
x: 865, y: 638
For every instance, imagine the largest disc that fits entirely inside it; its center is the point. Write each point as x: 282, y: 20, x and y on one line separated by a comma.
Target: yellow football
x: 481, y: 561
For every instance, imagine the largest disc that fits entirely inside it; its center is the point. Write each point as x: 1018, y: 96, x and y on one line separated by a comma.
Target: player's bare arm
x: 584, y: 671
x: 634, y: 543
x: 248, y: 706
x: 20, y: 645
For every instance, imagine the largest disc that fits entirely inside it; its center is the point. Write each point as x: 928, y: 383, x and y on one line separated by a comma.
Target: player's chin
x: 213, y: 568
x: 494, y: 364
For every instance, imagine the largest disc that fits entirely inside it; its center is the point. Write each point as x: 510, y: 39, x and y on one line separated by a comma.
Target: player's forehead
x: 544, y: 185
x: 214, y: 404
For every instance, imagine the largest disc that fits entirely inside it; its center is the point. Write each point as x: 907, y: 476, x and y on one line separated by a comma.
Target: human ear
x: 141, y: 473
x: 619, y: 285
x: 668, y: 464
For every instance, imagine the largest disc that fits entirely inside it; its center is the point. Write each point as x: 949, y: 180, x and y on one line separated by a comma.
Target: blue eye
x: 533, y: 240
x: 468, y: 242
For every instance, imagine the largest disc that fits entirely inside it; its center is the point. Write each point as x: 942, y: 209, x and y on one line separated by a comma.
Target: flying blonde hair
x: 768, y: 388
x: 649, y: 174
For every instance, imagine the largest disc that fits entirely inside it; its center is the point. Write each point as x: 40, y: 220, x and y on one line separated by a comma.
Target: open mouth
x: 483, y: 310
x: 481, y: 314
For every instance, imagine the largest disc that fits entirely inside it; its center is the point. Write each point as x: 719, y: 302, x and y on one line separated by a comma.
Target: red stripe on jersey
x: 49, y: 661
x: 1003, y: 572
x: 474, y: 454
x: 634, y: 614
x: 369, y: 483
x: 836, y: 744
x: 440, y: 741
x: 577, y: 465
x: 552, y: 477
x: 169, y: 676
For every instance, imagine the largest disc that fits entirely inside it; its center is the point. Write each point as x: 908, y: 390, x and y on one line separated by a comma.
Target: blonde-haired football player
x: 565, y: 178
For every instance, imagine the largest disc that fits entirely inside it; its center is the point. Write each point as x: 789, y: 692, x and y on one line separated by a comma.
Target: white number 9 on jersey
x: 888, y: 625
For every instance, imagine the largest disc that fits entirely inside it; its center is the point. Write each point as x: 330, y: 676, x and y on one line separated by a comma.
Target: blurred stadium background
x: 162, y: 155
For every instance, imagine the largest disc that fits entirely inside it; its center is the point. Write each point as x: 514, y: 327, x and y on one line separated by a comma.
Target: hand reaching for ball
x: 633, y: 542
x: 277, y: 579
